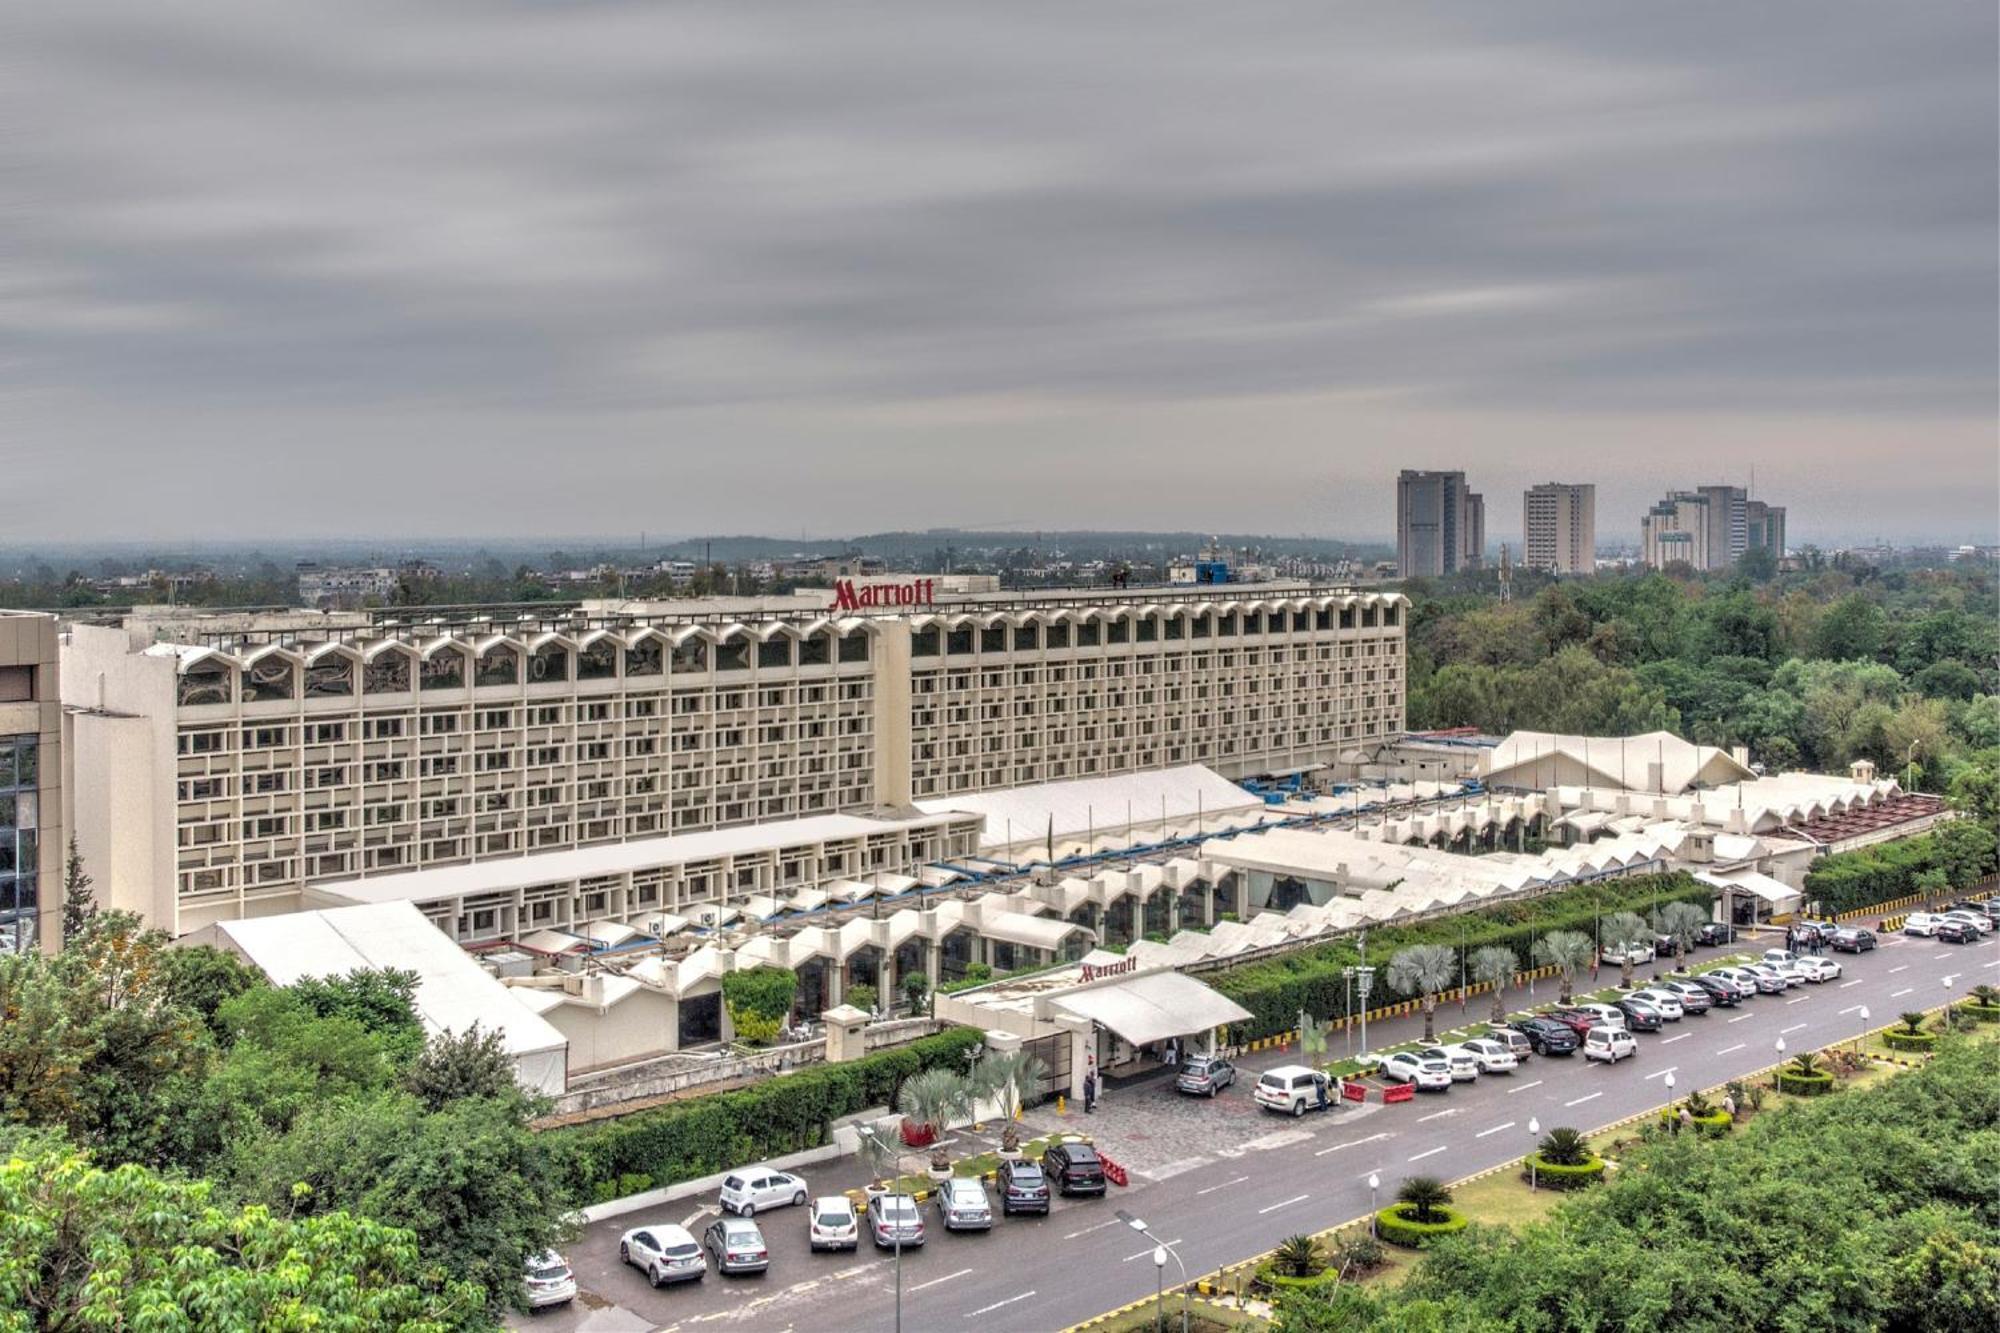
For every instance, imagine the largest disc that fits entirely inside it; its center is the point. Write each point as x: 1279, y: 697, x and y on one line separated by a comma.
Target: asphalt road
x: 1046, y: 1273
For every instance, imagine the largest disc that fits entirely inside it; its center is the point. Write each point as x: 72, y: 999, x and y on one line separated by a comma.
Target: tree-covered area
x: 1809, y: 670
x: 1871, y: 1209
x: 316, y: 1117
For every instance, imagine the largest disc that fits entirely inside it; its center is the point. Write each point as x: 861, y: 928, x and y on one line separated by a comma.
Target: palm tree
x: 1805, y: 1062
x: 878, y: 1153
x: 1425, y: 970
x: 932, y: 1098
x: 1626, y: 932
x: 1010, y: 1078
x: 1565, y: 951
x: 1299, y: 1256
x: 1424, y: 1194
x: 1913, y: 1021
x: 1494, y: 966
x: 1563, y: 1147
x: 1683, y: 921
x: 1986, y: 996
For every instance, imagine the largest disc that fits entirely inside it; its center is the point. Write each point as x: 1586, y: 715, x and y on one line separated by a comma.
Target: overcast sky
x: 820, y: 268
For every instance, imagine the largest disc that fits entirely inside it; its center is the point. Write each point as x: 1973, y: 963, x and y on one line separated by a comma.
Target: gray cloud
x: 549, y: 268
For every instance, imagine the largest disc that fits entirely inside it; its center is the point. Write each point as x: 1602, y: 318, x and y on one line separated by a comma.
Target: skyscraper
x: 1728, y: 524
x: 1440, y: 525
x: 1559, y: 526
x: 1677, y: 529
x: 1764, y: 527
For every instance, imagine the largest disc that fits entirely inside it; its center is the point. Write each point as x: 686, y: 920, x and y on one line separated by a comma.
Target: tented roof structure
x: 1154, y: 1006
x: 1657, y: 761
x: 1021, y: 816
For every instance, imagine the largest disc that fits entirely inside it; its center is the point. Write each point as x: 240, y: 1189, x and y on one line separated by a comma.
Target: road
x: 1301, y: 1176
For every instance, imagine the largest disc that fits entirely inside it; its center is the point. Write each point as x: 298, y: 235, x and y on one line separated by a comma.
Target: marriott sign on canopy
x: 915, y: 592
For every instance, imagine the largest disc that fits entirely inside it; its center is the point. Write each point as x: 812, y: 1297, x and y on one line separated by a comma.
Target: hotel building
x: 223, y: 765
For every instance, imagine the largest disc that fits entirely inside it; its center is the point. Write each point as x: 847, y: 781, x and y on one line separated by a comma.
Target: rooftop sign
x: 911, y: 592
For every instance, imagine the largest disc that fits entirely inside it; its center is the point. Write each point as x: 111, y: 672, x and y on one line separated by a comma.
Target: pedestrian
x: 1687, y: 1118
x: 1321, y: 1081
x: 1729, y: 1105
x: 1090, y: 1092
x: 1173, y: 1050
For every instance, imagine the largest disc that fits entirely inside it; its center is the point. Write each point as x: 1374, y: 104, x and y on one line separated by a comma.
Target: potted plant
x: 1010, y: 1141
x: 940, y: 1167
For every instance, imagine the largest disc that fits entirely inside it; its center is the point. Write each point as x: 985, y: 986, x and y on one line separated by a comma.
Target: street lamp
x: 1780, y: 1044
x: 1160, y: 1288
x: 1863, y: 1034
x: 1161, y: 1251
x: 1534, y: 1135
x: 1670, y: 1085
x: 1374, y: 1199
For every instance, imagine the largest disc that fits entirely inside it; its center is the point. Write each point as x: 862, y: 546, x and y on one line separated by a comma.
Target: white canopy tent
x: 1153, y: 1006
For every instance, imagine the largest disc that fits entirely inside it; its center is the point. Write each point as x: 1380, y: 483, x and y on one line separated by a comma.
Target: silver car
x: 736, y: 1245
x: 963, y: 1205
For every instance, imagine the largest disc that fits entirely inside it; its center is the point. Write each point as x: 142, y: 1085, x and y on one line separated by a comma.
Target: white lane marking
x: 1740, y: 1017
x: 1945, y: 954
x: 1297, y: 1198
x: 939, y: 1281
x: 1114, y: 1222
x: 855, y: 1271
x: 1148, y: 1250
x: 1994, y: 963
x: 1590, y: 1097
x: 1429, y: 1152
x: 1496, y: 1129
x: 1198, y: 1193
x: 1793, y: 1028
x: 1845, y: 984
x: 1524, y: 1087
x: 1894, y: 970
x: 1671, y: 1040
x: 1850, y: 1009
x: 1799, y: 1000
x: 989, y: 1309
x: 1670, y: 1069
x: 1727, y: 1050
x: 1352, y: 1143
x: 1899, y: 994
x: 1437, y: 1115
x: 688, y: 1222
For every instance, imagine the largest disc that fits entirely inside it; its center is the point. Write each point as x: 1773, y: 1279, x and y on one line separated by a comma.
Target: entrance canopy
x: 1151, y: 1008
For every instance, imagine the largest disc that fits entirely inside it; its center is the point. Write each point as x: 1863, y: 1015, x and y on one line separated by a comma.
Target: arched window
x: 597, y: 661
x: 330, y: 678
x: 388, y: 673
x: 645, y: 658
x: 500, y: 665
x: 691, y: 655
x: 549, y: 663
x: 207, y: 682
x: 268, y: 679
x: 444, y: 669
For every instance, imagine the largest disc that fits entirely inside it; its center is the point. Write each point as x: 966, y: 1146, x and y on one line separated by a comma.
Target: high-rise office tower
x: 1559, y: 526
x: 1728, y: 524
x: 1440, y: 524
x: 1677, y: 529
x: 31, y: 807
x: 1764, y: 527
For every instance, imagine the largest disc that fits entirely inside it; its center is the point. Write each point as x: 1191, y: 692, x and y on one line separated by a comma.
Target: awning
x: 1033, y: 932
x: 1772, y: 891
x: 1154, y: 1007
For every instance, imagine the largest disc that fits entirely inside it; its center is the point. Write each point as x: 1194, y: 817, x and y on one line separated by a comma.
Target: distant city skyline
x: 711, y: 267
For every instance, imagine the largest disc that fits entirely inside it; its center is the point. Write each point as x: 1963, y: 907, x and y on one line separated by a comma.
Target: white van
x: 1611, y: 1044
x: 1293, y: 1089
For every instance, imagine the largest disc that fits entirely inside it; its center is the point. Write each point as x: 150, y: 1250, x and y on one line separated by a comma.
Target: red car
x: 1576, y: 1020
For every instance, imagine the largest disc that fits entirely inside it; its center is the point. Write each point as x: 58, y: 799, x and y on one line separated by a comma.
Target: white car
x: 747, y: 1191
x: 1464, y: 1065
x: 1294, y: 1090
x: 1921, y: 923
x: 1493, y: 1057
x: 1637, y: 952
x: 1779, y: 956
x: 1666, y: 1002
x: 1607, y: 1015
x: 1784, y: 972
x: 833, y: 1225
x: 1425, y: 1071
x: 546, y: 1281
x: 1818, y: 969
x: 1609, y: 1044
x: 1979, y: 921
x: 665, y: 1252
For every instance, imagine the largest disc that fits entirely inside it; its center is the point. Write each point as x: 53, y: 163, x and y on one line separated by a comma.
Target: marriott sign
x: 912, y: 592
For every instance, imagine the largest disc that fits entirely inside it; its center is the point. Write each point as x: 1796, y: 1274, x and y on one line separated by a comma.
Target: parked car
x: 1724, y: 991
x: 1694, y: 997
x: 1640, y: 1016
x: 1547, y: 1036
x: 1074, y: 1168
x: 1715, y: 932
x: 1749, y: 982
x: 736, y: 1245
x: 745, y: 1192
x: 1610, y: 1044
x: 1576, y: 1020
x: 1955, y: 932
x: 1852, y: 939
x: 894, y: 1219
x: 1492, y: 1055
x: 1293, y: 1090
x: 1818, y: 970
x: 1666, y: 946
x: 833, y: 1225
x: 546, y: 1281
x: 1464, y: 1065
x: 1023, y: 1187
x: 1416, y: 1067
x: 1515, y: 1041
x: 963, y: 1205
x: 1979, y: 921
x: 1636, y: 952
x: 664, y: 1252
x: 1778, y: 956
x: 1921, y: 923
x: 1608, y: 1014
x: 1793, y: 972
x: 1663, y: 998
x: 1986, y: 907
x: 1205, y: 1075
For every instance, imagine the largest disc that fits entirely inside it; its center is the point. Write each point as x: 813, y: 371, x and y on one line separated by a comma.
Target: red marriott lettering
x: 1092, y: 971
x: 916, y: 592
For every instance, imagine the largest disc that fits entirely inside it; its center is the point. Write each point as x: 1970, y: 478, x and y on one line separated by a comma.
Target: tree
x: 1563, y: 1147
x: 125, y: 1248
x: 1494, y: 965
x: 452, y: 1066
x: 933, y: 1099
x: 1423, y: 970
x: 79, y: 905
x: 759, y: 1000
x: 1626, y: 932
x: 916, y: 988
x: 1683, y: 921
x: 1852, y: 629
x: 1565, y: 951
x: 1424, y: 1196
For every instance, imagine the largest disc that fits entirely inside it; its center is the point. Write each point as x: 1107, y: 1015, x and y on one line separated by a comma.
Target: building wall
x: 32, y: 833
x: 1559, y: 522
x: 1440, y: 524
x: 1677, y: 528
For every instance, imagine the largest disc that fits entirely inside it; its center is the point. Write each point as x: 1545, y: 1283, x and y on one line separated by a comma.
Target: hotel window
x: 775, y: 653
x: 498, y: 665
x: 854, y: 646
x: 1119, y: 630
x: 387, y: 674
x: 549, y: 663
x: 691, y: 655
x: 550, y: 716
x: 647, y: 657
x: 267, y: 679
x: 924, y: 643
x: 331, y: 679
x: 1088, y: 633
x: 443, y: 670
x: 733, y: 654
x: 208, y: 682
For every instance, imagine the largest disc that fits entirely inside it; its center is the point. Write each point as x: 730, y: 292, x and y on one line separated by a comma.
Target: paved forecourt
x: 1256, y: 1178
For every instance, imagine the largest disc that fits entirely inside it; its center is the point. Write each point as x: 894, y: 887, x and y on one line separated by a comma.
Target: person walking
x: 1321, y: 1081
x: 1686, y: 1119
x: 1729, y: 1105
x: 1090, y: 1091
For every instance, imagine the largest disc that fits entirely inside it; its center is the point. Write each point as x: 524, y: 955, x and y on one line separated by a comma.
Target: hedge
x: 1909, y: 1041
x: 1804, y: 1085
x: 1985, y: 1013
x: 1397, y: 1229
x: 1555, y: 1176
x: 1711, y: 1126
x: 1274, y: 990
x: 1850, y: 881
x: 703, y: 1135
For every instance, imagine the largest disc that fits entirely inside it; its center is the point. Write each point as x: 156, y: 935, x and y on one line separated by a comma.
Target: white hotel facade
x: 221, y: 770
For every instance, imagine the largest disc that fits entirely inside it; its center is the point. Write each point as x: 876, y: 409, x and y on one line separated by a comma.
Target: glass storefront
x: 19, y: 891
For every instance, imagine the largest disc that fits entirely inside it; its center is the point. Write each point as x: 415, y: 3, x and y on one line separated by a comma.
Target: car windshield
x: 897, y: 1207
x: 1081, y: 1156
x: 547, y: 1272
x: 1027, y: 1174
x: 686, y: 1249
x: 833, y: 1215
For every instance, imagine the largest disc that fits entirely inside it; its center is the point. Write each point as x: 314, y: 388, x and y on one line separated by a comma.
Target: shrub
x: 1916, y: 1043
x: 1359, y: 1253
x: 863, y: 997
x: 759, y: 999
x: 1912, y: 1021
x: 1802, y: 1084
x: 1980, y: 1013
x: 1563, y: 1147
x: 1710, y: 1124
x: 1425, y: 1196
x: 1564, y: 1175
x: 1298, y: 1256
x: 1398, y: 1225
x: 1846, y: 881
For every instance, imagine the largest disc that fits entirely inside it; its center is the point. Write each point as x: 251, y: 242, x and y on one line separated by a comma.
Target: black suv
x: 1546, y: 1036
x: 1714, y: 932
x: 1023, y: 1188
x: 1074, y: 1168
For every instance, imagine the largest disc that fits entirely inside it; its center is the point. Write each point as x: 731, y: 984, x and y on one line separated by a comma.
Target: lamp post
x: 1534, y: 1135
x: 1160, y: 1252
x: 1862, y: 1035
x: 1374, y: 1202
x: 1159, y: 1288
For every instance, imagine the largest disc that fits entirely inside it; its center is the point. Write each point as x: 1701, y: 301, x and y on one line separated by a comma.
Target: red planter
x: 916, y: 1135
